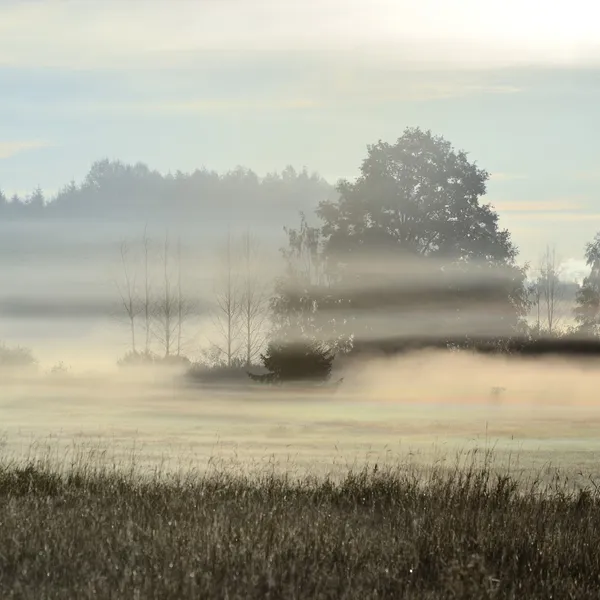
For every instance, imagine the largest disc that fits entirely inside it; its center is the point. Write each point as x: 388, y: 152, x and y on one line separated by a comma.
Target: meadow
x: 413, y: 481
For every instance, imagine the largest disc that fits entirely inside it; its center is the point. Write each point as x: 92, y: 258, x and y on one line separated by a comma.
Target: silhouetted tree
x: 295, y: 362
x: 587, y: 310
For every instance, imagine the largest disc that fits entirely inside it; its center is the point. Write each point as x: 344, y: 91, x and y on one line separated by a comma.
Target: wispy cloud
x: 502, y: 176
x: 8, y: 149
x: 560, y: 206
x: 588, y: 175
x: 427, y: 34
x: 305, y: 93
x: 558, y: 216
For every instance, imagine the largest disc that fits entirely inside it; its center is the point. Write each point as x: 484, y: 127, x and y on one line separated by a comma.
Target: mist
x: 149, y: 307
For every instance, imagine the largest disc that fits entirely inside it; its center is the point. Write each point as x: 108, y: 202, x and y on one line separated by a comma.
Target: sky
x: 264, y: 84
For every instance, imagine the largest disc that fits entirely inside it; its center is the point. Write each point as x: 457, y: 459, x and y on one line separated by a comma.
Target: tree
x: 166, y: 307
x: 147, y: 299
x: 254, y: 299
x: 128, y: 294
x: 295, y: 362
x: 36, y: 200
x: 416, y: 202
x: 304, y: 295
x: 587, y: 310
x: 548, y: 294
x: 226, y: 316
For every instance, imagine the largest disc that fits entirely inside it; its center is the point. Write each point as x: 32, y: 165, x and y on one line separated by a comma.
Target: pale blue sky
x: 184, y: 84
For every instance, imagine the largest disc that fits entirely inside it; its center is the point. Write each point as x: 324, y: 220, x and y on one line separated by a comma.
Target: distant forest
x: 114, y: 190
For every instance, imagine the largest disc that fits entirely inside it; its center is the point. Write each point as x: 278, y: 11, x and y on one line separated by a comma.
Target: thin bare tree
x: 185, y: 306
x: 128, y: 294
x: 227, y: 314
x: 549, y: 294
x: 165, y: 307
x: 254, y: 301
x: 147, y: 300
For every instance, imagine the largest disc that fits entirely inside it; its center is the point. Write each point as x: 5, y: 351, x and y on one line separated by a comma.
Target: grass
x: 90, y: 532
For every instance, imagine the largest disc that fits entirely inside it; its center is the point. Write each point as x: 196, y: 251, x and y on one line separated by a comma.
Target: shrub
x: 295, y: 362
x: 16, y: 358
x: 148, y: 358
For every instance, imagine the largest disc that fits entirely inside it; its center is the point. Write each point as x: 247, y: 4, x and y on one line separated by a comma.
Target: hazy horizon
x: 514, y: 84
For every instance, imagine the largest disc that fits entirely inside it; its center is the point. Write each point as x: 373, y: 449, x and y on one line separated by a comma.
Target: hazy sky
x: 183, y: 84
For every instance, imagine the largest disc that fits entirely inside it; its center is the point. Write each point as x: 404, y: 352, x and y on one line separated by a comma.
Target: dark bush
x: 296, y: 362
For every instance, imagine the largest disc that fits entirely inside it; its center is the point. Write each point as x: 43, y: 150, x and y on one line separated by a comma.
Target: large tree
x: 411, y: 231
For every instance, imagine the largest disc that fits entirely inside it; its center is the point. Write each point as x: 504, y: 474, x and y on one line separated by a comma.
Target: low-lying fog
x: 418, y: 408
x: 67, y: 305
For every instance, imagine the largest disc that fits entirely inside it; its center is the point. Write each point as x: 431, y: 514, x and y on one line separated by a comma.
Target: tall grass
x: 85, y: 531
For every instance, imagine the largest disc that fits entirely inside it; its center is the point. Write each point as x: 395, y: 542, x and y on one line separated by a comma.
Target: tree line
x: 112, y: 189
x: 409, y: 248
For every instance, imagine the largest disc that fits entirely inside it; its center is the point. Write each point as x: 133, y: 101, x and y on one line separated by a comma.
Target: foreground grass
x: 374, y: 534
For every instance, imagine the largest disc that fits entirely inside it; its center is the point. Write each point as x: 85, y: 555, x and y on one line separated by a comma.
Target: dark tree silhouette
x: 295, y: 362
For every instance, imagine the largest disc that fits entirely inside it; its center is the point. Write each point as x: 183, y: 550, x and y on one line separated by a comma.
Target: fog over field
x: 418, y: 409
x: 401, y: 177
x: 65, y: 285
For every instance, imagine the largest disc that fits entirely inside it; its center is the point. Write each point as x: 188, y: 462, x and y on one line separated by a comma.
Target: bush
x: 296, y: 362
x: 17, y: 358
x: 202, y: 373
x: 148, y: 358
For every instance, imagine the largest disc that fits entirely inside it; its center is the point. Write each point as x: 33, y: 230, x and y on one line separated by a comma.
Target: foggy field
x: 422, y: 408
x: 411, y: 480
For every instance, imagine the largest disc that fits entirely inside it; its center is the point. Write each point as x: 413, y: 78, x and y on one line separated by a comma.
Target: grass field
x: 89, y: 532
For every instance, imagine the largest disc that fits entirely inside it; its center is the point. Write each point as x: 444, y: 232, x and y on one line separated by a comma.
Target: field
x: 413, y: 481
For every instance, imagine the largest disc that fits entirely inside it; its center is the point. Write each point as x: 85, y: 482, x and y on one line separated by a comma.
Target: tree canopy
x: 419, y: 195
x: 418, y: 203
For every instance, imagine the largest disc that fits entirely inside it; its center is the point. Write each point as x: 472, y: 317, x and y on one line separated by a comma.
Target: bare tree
x: 128, y: 294
x: 549, y: 294
x: 185, y: 308
x: 147, y: 301
x: 254, y: 299
x: 165, y: 308
x: 226, y: 316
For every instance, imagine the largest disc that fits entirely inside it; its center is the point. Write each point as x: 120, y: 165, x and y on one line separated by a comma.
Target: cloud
x: 427, y: 34
x: 558, y: 216
x: 589, y: 175
x: 574, y: 269
x: 318, y: 90
x: 559, y: 206
x: 8, y: 149
x: 501, y: 176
